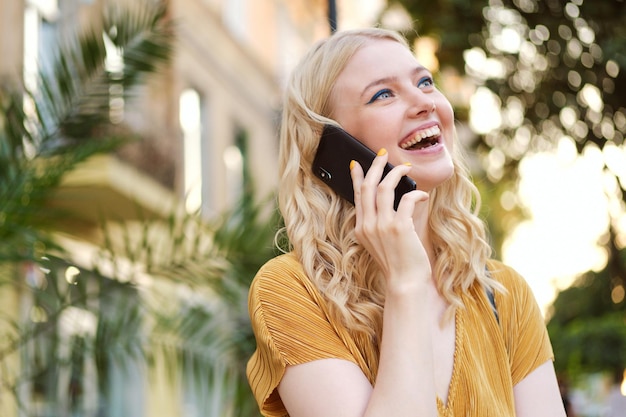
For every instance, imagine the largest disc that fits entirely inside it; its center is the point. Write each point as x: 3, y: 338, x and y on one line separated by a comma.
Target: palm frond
x: 140, y: 36
x: 198, y: 317
x: 46, y: 131
x: 199, y: 323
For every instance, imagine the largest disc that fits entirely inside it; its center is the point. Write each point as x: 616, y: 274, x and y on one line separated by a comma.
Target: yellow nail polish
x: 407, y: 164
x: 352, y: 163
x: 382, y: 152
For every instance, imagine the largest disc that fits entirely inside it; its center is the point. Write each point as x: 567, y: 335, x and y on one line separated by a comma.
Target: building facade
x: 208, y: 123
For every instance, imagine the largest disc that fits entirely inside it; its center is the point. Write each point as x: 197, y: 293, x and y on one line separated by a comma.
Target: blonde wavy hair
x: 320, y: 225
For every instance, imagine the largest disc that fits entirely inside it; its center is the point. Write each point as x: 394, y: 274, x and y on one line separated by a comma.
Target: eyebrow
x: 388, y: 80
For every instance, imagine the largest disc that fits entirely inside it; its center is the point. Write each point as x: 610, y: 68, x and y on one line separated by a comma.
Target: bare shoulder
x: 323, y: 387
x: 538, y: 395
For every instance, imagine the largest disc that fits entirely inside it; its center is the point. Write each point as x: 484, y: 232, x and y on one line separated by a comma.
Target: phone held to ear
x: 332, y: 163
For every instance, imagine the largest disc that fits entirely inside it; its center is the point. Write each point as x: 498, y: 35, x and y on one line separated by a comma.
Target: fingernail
x: 407, y: 164
x: 382, y: 152
x: 352, y: 163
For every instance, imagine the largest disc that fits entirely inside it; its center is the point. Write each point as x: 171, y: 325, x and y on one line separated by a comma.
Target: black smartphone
x: 332, y: 163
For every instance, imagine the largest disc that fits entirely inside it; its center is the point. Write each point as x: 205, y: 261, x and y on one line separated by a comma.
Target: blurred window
x: 47, y: 21
x: 190, y: 117
x: 82, y: 358
x: 236, y: 159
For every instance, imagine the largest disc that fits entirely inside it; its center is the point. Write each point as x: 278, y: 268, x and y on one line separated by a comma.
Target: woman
x: 378, y: 312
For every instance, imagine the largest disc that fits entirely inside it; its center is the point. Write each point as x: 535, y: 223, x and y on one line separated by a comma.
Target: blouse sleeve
x: 523, y: 325
x: 291, y: 327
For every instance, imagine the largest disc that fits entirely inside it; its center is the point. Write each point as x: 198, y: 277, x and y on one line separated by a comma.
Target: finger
x: 410, y: 201
x: 369, y: 186
x: 386, y: 195
x: 356, y: 172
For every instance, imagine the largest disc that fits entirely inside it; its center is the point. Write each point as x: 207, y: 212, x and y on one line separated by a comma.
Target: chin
x: 434, y: 179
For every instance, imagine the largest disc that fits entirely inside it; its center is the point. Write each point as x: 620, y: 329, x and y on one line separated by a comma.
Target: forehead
x: 375, y: 49
x: 376, y: 59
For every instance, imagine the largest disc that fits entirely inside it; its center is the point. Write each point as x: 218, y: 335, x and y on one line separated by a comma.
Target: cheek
x: 373, y: 139
x: 369, y: 129
x: 381, y: 128
x: 446, y: 116
x: 445, y: 110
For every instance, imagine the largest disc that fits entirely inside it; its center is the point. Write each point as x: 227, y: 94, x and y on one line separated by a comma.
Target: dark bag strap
x: 492, y: 301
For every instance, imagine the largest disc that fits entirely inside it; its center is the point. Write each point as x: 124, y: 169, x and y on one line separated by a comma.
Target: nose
x: 420, y: 104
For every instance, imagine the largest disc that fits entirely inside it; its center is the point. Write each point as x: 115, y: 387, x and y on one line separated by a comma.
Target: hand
x: 390, y: 236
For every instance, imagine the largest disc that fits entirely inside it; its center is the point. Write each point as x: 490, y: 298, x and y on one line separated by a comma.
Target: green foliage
x: 588, y: 297
x: 567, y: 49
x: 590, y: 345
x: 452, y: 22
x: 588, y: 325
x: 161, y: 293
x: 167, y: 293
x: 47, y: 130
x: 196, y: 313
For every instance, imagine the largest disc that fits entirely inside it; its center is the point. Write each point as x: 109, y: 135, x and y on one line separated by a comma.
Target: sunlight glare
x: 592, y: 97
x: 509, y: 40
x: 615, y: 159
x: 484, y: 111
x: 71, y: 275
x: 478, y: 65
x: 568, y: 117
x: 568, y: 213
x: 426, y: 52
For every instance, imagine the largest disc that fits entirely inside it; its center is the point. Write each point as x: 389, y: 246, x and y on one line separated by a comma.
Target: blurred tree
x: 451, y: 22
x: 553, y: 68
x: 46, y: 130
x: 555, y: 65
x: 588, y: 324
x: 88, y: 328
x: 554, y: 73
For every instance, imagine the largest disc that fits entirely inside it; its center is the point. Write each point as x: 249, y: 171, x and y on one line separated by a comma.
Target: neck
x: 422, y: 228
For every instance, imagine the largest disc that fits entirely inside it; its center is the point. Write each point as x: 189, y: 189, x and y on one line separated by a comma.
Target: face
x: 386, y: 99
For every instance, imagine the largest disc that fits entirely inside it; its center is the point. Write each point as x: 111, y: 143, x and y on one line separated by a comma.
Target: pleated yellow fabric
x: 291, y: 325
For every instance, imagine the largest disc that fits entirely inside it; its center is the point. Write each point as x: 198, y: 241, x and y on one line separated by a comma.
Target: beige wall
x: 238, y: 89
x: 239, y: 76
x: 11, y: 40
x: 9, y: 302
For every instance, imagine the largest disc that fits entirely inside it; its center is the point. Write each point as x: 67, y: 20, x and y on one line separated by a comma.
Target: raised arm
x: 404, y: 384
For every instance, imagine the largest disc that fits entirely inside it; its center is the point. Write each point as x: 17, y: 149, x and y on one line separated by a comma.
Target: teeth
x: 421, y: 135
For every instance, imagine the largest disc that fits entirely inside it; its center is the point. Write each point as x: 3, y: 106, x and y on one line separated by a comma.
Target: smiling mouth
x: 423, y: 139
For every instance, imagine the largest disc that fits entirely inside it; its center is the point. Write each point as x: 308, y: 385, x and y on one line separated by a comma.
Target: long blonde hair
x: 320, y: 225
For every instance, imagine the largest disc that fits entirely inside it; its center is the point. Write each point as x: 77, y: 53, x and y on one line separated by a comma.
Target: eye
x: 382, y: 94
x: 425, y: 82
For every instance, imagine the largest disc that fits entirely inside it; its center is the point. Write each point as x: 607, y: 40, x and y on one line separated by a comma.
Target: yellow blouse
x: 291, y: 325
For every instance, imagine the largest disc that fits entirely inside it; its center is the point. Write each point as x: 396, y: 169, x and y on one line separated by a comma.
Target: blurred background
x: 138, y: 146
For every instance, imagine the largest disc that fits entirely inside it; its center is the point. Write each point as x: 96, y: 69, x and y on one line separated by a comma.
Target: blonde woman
x: 382, y: 312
